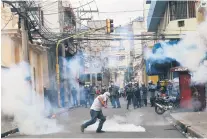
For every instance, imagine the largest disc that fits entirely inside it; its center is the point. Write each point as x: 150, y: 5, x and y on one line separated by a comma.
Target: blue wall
x: 156, y: 12
x: 156, y: 67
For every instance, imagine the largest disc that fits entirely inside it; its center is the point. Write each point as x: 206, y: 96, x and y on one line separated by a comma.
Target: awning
x: 152, y: 70
x: 158, y: 45
x: 156, y: 67
x: 155, y: 14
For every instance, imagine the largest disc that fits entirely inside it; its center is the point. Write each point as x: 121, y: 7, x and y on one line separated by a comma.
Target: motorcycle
x: 163, y: 104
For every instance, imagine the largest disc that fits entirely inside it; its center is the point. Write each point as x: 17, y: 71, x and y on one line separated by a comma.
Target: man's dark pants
x: 129, y: 101
x: 145, y: 101
x: 152, y: 101
x: 94, y: 116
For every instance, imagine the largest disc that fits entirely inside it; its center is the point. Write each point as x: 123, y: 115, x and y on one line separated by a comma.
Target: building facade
x: 179, y: 19
x: 11, y: 51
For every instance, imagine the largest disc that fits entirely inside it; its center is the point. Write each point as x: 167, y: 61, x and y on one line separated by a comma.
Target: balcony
x: 157, y: 9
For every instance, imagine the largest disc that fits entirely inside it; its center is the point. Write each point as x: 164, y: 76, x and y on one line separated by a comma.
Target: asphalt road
x: 121, y: 123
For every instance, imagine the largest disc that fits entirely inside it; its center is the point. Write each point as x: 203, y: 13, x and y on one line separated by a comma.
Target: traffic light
x: 109, y: 26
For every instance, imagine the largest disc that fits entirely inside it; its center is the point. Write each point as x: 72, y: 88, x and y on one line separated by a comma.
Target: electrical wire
x: 11, y: 18
x: 129, y: 11
x: 10, y: 3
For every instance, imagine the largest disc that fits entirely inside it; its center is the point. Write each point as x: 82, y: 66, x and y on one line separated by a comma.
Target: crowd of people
x: 134, y: 93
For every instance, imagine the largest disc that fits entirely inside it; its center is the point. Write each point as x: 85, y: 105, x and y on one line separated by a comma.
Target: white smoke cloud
x: 24, y: 104
x: 189, y: 52
x: 129, y: 123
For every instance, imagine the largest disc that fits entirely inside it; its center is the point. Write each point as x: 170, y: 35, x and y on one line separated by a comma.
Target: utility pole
x: 64, y: 75
x: 24, y: 32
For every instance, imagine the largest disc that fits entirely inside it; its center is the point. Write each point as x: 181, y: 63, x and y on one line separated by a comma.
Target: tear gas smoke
x: 190, y: 52
x: 23, y: 103
x: 118, y: 123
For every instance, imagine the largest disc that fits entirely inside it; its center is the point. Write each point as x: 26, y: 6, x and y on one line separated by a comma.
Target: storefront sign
x: 181, y: 69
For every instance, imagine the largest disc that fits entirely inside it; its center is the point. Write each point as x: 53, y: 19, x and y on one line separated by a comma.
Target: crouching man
x: 96, y: 112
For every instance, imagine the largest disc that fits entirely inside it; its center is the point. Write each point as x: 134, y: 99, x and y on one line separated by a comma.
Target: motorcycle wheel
x: 159, y: 111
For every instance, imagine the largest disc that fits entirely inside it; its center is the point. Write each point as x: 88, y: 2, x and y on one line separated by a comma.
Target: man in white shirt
x: 96, y: 112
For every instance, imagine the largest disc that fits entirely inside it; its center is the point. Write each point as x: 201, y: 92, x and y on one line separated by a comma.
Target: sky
x: 107, y: 9
x: 120, y: 18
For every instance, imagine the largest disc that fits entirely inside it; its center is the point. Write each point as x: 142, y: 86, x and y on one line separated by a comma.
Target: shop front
x: 161, y: 67
x: 191, y: 96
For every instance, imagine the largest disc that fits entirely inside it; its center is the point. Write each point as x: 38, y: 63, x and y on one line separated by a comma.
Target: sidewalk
x: 9, y: 127
x: 193, y: 123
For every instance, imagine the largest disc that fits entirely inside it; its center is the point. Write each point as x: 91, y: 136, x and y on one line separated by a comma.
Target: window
x: 181, y: 23
x: 191, y: 8
x: 99, y: 77
x: 181, y: 9
x: 86, y: 77
x: 121, y: 58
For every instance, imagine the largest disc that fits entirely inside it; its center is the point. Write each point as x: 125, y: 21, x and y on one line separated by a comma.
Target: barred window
x: 191, y: 9
x: 181, y: 9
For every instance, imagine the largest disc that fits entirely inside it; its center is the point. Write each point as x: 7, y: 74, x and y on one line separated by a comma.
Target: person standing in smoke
x: 152, y: 89
x: 87, y: 95
x: 114, y: 91
x: 92, y: 94
x: 96, y: 112
x: 129, y: 95
x: 144, y: 93
x: 137, y: 95
x: 82, y: 96
x: 74, y: 95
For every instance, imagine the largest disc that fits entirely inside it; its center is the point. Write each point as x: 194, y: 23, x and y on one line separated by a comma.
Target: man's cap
x: 107, y: 94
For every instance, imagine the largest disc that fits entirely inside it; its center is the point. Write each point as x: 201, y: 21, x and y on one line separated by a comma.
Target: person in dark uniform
x: 129, y: 95
x: 92, y: 94
x: 152, y: 89
x: 114, y: 91
x: 74, y: 95
x: 86, y: 94
x: 144, y: 93
x: 137, y: 95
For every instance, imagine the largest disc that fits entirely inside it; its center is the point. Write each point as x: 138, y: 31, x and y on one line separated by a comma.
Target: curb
x: 186, y: 128
x: 9, y: 132
x: 13, y: 131
x: 195, y: 133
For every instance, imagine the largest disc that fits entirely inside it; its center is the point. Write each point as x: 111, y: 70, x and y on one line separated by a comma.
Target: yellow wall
x: 154, y: 79
x: 7, y: 51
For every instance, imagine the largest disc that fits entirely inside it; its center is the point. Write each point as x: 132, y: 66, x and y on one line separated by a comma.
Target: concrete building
x: 113, y: 57
x: 95, y: 56
x: 124, y: 55
x: 179, y: 18
x: 59, y: 15
x: 11, y: 50
x: 138, y: 27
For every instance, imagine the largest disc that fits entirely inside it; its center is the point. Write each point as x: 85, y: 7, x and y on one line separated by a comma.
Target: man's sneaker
x: 82, y: 128
x: 100, y: 131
